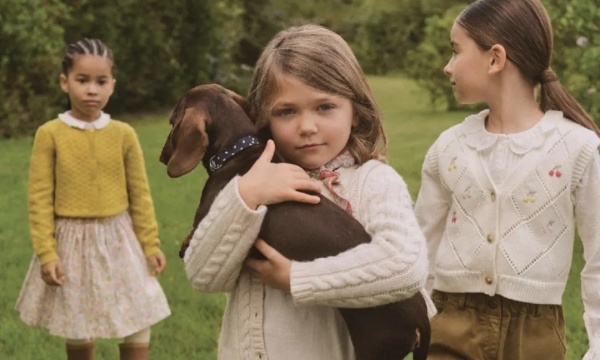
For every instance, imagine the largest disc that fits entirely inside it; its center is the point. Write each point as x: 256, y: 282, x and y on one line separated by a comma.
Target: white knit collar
x: 519, y: 143
x: 99, y: 123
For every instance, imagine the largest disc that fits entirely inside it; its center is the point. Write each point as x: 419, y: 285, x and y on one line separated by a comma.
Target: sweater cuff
x: 47, y: 257
x: 151, y: 250
x: 301, y: 286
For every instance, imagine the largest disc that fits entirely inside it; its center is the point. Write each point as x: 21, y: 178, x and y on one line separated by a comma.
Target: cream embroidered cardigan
x: 514, y: 237
x: 392, y: 267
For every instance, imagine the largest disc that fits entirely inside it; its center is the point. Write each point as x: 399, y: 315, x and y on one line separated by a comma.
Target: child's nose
x: 447, y: 69
x: 307, y: 124
x: 92, y: 89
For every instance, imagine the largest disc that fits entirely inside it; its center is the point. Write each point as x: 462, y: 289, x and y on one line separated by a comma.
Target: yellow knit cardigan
x: 88, y: 174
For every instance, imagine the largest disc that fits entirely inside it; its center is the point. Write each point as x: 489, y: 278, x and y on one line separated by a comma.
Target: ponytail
x: 554, y: 96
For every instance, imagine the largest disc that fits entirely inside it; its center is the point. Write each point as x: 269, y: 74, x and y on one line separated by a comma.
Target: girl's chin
x: 311, y: 166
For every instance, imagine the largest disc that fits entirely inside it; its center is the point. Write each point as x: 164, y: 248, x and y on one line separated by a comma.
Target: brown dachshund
x: 210, y: 124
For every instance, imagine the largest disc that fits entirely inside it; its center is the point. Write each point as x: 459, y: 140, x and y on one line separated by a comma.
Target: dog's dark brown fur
x: 207, y: 119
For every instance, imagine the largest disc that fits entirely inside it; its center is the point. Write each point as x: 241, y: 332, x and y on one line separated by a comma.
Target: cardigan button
x: 493, y: 195
x: 490, y: 238
x: 489, y: 281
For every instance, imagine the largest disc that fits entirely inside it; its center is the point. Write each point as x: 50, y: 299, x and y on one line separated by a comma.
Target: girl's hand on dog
x: 275, y: 270
x: 53, y: 273
x: 267, y: 183
x: 158, y: 263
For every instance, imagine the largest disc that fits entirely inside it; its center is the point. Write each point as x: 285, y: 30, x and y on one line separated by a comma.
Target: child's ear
x: 497, y: 59
x: 64, y: 85
x: 112, y: 90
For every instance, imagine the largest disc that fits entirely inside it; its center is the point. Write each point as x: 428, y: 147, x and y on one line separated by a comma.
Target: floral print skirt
x: 108, y: 291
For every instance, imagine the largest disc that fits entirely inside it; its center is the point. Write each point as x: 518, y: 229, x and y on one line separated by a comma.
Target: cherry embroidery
x: 454, y: 217
x: 555, y: 172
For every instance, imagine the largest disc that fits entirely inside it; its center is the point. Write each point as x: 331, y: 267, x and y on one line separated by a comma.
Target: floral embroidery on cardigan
x: 467, y: 192
x: 548, y: 228
x: 453, y: 165
x: 529, y: 198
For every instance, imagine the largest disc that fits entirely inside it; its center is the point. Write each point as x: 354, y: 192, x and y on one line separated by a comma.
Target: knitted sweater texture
x: 514, y: 238
x: 392, y: 267
x: 92, y: 173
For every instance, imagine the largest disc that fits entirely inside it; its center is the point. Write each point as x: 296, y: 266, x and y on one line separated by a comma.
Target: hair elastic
x: 547, y: 76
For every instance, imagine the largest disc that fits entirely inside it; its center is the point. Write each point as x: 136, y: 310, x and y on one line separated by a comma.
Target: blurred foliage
x: 577, y: 50
x: 427, y: 60
x: 576, y: 26
x: 31, y: 50
x: 163, y: 48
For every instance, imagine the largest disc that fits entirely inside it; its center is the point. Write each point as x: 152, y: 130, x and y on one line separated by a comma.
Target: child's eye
x: 102, y: 82
x: 325, y: 107
x: 284, y: 112
x: 81, y: 81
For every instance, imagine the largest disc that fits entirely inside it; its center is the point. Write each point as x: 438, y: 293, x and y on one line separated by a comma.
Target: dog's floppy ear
x: 189, y: 140
x: 243, y: 103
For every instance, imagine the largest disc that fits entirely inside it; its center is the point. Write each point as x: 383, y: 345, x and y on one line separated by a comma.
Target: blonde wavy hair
x: 323, y: 60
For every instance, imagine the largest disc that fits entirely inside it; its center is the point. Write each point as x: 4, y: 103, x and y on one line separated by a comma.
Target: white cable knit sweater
x: 499, y: 212
x: 259, y: 320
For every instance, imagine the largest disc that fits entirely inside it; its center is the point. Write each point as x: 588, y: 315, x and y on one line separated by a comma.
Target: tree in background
x: 164, y: 48
x: 576, y: 56
x: 385, y: 34
x: 262, y: 19
x: 577, y: 50
x: 161, y: 49
x: 31, y: 50
x: 425, y: 63
x: 388, y: 30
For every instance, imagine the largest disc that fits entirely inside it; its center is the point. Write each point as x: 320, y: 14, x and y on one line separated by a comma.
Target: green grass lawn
x: 192, y: 331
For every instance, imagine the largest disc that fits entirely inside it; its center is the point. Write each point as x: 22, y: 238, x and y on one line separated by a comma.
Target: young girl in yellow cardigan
x: 92, y: 220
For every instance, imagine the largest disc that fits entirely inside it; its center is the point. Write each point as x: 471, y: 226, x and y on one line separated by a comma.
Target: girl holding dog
x: 502, y: 191
x: 310, y: 94
x: 92, y: 220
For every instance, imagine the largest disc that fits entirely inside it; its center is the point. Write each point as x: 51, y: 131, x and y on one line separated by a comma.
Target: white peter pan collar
x: 520, y: 143
x: 99, y: 123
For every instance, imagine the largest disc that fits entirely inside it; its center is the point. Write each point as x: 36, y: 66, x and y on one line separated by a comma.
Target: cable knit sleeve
x: 431, y: 209
x: 587, y: 207
x: 222, y: 240
x: 393, y: 266
x: 41, y: 196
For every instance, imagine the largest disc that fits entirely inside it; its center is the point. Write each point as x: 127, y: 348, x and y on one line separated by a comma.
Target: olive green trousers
x: 481, y: 327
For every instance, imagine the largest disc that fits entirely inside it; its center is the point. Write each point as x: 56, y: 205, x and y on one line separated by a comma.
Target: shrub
x: 30, y: 58
x: 426, y: 62
x: 577, y: 50
x: 575, y: 59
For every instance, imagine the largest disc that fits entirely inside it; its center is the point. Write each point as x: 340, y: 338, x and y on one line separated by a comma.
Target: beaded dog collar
x: 222, y: 156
